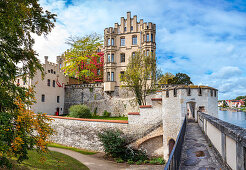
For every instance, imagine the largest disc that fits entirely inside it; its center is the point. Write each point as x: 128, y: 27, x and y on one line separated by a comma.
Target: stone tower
x: 123, y: 41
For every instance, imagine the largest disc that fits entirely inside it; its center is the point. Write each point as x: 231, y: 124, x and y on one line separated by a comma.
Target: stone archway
x: 191, y: 106
x: 171, y: 144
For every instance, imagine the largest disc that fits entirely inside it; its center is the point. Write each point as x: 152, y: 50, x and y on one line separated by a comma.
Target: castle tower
x: 121, y: 42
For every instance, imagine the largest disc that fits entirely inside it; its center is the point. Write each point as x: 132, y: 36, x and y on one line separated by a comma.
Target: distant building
x: 235, y: 103
x: 122, y: 42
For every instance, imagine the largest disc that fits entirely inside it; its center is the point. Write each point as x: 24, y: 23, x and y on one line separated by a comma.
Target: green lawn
x: 82, y: 151
x: 53, y: 161
x: 109, y: 118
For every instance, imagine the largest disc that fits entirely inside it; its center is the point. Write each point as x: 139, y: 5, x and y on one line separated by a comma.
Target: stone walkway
x: 196, y: 153
x: 97, y: 162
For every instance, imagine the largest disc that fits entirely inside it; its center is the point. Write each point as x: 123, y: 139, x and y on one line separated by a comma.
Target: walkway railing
x: 174, y: 158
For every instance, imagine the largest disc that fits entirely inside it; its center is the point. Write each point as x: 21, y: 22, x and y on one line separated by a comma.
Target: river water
x: 236, y: 118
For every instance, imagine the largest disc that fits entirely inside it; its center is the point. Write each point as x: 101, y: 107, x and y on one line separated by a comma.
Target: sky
x: 205, y: 39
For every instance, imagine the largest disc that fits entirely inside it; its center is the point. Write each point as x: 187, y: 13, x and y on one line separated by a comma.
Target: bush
x: 115, y: 145
x: 158, y: 160
x: 106, y: 113
x: 79, y: 111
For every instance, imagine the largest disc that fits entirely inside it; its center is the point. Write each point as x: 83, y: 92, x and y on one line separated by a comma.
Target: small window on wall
x: 131, y: 28
x: 112, y: 58
x: 108, y: 76
x: 112, y: 42
x: 147, y: 37
x: 48, y: 71
x: 122, y: 57
x: 54, y: 72
x: 48, y: 82
x: 211, y: 92
x: 215, y: 93
x: 108, y: 41
x: 54, y: 83
x: 58, y: 99
x: 188, y: 92
x: 167, y: 93
x: 122, y: 41
x: 122, y: 74
x: 43, y: 98
x: 125, y: 29
x: 151, y: 37
x: 112, y: 76
x: 134, y: 40
x: 51, y: 71
x: 108, y: 58
x: 199, y: 91
x: 175, y: 92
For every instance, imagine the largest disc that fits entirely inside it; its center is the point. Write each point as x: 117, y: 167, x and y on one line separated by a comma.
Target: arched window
x: 188, y: 92
x: 175, y: 92
x: 171, y: 144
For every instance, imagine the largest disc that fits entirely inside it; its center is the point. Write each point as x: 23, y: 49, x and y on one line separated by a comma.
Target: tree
x: 138, y: 76
x: 79, y: 61
x: 180, y: 78
x: 165, y: 78
x: 19, y: 20
x: 240, y: 97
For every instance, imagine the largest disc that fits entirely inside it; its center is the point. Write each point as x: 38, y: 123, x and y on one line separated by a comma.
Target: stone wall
x: 119, y: 102
x: 228, y: 139
x: 79, y: 133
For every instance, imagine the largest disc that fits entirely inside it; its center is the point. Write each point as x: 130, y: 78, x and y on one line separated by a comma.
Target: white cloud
x: 195, y: 37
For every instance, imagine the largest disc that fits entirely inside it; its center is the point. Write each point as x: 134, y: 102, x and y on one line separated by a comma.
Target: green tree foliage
x: 165, y: 78
x: 78, y: 59
x: 139, y: 75
x: 180, y: 78
x: 79, y: 111
x: 240, y: 97
x: 19, y: 20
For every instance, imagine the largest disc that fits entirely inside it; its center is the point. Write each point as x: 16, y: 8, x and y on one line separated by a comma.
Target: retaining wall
x: 228, y: 139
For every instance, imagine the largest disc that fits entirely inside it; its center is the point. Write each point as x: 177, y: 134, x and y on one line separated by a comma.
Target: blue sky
x: 205, y: 39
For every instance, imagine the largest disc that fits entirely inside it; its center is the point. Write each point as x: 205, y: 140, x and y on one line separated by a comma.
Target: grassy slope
x: 82, y: 151
x: 53, y: 160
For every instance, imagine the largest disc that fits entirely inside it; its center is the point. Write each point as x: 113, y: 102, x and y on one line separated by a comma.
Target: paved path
x: 196, y: 153
x: 96, y: 162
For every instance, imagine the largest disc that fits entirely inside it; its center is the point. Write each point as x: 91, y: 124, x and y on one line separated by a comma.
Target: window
x: 112, y: 42
x: 108, y: 41
x: 112, y: 58
x: 112, y: 76
x: 48, y: 82
x: 122, y: 41
x: 58, y: 99
x: 151, y: 37
x: 131, y: 28
x: 24, y: 82
x: 43, y: 98
x: 133, y: 54
x: 51, y: 71
x: 147, y: 37
x: 199, y: 91
x: 48, y: 71
x: 147, y: 52
x: 98, y: 71
x: 54, y: 72
x: 108, y: 76
x: 122, y: 74
x: 122, y: 57
x: 125, y: 29
x: 215, y: 93
x: 175, y: 92
x: 134, y: 40
x: 167, y: 93
x: 108, y: 58
x: 211, y: 92
x: 188, y: 92
x: 54, y: 83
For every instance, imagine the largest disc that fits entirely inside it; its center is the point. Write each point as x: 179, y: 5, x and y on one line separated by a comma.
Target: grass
x: 51, y: 160
x: 109, y: 118
x: 82, y: 151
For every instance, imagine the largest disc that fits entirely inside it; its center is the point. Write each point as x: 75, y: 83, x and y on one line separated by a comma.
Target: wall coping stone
x: 156, y: 99
x: 90, y: 120
x: 145, y: 106
x: 235, y: 132
x: 133, y: 113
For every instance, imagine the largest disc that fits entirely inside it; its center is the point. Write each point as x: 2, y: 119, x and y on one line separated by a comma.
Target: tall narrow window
x: 43, y: 98
x: 125, y: 29
x: 175, y: 92
x: 188, y: 92
x: 108, y: 41
x: 211, y: 92
x: 122, y: 41
x: 215, y: 93
x: 108, y: 58
x: 122, y: 74
x: 134, y: 40
x: 112, y: 58
x: 51, y: 71
x: 122, y: 57
x: 48, y: 82
x: 167, y: 93
x: 112, y: 42
x: 199, y: 91
x: 54, y: 83
x: 151, y: 37
x: 108, y: 76
x: 112, y: 76
x: 147, y: 37
x: 58, y: 99
x: 131, y: 28
x: 48, y: 71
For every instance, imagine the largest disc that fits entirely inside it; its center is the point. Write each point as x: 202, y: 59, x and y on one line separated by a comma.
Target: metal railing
x: 174, y: 158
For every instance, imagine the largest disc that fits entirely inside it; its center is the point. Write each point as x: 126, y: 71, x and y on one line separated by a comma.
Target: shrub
x: 158, y: 160
x: 106, y: 113
x: 119, y: 160
x: 79, y: 111
x: 115, y: 145
x: 95, y: 111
